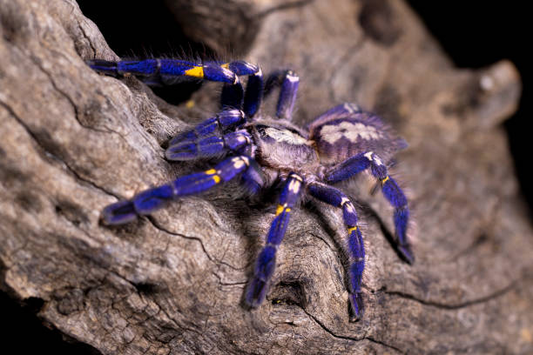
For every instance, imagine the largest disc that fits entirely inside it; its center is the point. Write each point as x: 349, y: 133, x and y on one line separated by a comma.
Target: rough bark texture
x: 73, y: 142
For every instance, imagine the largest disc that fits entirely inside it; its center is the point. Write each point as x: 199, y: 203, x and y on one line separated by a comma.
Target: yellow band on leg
x: 197, y: 72
x: 279, y: 210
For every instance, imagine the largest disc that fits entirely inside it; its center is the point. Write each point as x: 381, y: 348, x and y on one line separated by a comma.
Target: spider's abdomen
x: 346, y: 130
x: 283, y: 148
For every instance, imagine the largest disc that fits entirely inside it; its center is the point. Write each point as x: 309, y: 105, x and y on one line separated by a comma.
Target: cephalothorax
x: 261, y: 151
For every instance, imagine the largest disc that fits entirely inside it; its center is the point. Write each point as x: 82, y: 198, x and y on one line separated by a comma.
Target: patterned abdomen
x: 346, y: 130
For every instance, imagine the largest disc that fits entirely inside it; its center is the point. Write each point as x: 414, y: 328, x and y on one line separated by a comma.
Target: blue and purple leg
x: 287, y: 95
x: 266, y: 261
x: 252, y: 179
x: 210, y: 147
x: 288, y: 82
x: 171, y: 71
x: 168, y: 71
x: 340, y: 111
x: 234, y: 96
x: 153, y: 199
x: 217, y: 125
x: 356, y: 247
x: 390, y: 189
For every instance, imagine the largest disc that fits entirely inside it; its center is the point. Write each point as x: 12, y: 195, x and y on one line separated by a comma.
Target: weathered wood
x: 74, y: 141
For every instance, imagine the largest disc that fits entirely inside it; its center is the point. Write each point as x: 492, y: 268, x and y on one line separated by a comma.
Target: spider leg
x: 152, y: 199
x: 209, y: 147
x: 348, y: 168
x: 252, y: 179
x: 344, y: 110
x: 166, y: 71
x: 288, y: 82
x: 356, y: 247
x: 170, y: 71
x: 215, y: 125
x: 389, y: 187
x: 266, y: 261
x: 249, y: 100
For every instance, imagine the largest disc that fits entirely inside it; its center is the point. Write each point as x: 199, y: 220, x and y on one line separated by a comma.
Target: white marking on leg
x: 344, y: 200
x: 350, y: 207
x: 292, y: 77
x: 348, y: 108
x: 294, y: 186
x: 239, y: 162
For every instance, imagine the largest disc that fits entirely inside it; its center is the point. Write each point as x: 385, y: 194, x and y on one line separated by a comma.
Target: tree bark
x: 172, y: 283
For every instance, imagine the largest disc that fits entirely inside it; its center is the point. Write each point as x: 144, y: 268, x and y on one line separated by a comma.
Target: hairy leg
x: 266, y: 261
x: 153, y: 199
x: 288, y: 82
x: 389, y: 187
x: 209, y: 147
x: 356, y: 247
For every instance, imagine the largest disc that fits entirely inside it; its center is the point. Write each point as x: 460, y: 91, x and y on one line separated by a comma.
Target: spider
x: 264, y: 151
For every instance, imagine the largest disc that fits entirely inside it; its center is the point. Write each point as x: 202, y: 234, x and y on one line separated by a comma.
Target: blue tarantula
x: 263, y: 151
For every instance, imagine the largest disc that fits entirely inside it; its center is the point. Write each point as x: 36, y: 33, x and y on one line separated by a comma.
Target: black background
x: 474, y: 33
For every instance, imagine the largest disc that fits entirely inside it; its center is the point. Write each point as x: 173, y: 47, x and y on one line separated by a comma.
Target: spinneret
x: 261, y: 150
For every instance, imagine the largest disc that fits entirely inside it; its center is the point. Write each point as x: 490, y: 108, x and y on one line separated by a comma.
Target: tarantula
x: 263, y: 151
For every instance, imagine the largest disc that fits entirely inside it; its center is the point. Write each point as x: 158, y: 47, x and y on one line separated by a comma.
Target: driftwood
x: 73, y: 142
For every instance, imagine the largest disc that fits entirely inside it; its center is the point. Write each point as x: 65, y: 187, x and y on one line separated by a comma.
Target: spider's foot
x: 180, y: 152
x: 264, y: 268
x: 256, y: 292
x: 356, y: 306
x: 406, y: 253
x: 143, y: 203
x: 103, y: 66
x: 119, y: 213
